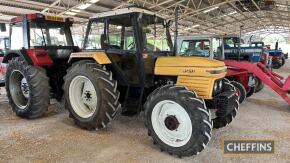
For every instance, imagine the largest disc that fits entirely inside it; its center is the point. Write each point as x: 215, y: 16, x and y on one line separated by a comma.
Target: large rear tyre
x: 225, y: 116
x: 177, y: 120
x: 240, y: 90
x: 259, y: 85
x: 91, y: 95
x: 27, y: 89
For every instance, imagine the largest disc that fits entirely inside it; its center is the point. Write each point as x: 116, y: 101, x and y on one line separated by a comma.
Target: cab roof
x: 122, y: 11
x: 36, y: 16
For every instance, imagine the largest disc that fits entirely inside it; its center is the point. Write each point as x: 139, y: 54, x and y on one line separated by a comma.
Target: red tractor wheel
x: 240, y: 91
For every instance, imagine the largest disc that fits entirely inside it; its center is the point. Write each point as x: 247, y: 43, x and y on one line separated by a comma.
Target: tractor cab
x: 40, y: 39
x: 235, y: 49
x: 128, y: 38
x: 44, y: 41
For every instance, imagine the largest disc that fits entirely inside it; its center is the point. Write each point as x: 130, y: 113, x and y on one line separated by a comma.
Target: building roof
x: 127, y: 10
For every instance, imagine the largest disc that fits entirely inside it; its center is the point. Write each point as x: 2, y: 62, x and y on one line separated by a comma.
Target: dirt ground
x: 55, y: 138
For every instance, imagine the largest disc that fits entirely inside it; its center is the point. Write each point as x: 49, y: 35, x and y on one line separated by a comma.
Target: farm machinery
x: 260, y: 71
x: 39, y: 48
x: 278, y: 57
x: 235, y: 50
x: 3, y: 47
x: 214, y: 47
x: 119, y: 65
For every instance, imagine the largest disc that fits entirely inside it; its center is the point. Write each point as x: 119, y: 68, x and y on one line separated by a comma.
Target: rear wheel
x: 277, y: 63
x: 240, y: 91
x: 177, y: 120
x: 27, y: 89
x: 91, y: 95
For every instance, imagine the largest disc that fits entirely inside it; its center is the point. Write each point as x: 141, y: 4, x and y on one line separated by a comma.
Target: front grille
x: 201, y: 85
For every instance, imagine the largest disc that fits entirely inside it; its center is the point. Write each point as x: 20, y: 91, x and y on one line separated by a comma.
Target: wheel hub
x: 25, y: 88
x: 171, y: 122
x: 87, y: 96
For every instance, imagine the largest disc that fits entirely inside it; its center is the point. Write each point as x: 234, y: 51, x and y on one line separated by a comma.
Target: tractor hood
x: 189, y: 66
x: 188, y: 62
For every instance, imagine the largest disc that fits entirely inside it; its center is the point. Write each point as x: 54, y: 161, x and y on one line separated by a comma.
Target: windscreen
x: 49, y: 34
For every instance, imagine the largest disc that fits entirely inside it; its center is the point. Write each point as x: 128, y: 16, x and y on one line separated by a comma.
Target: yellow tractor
x: 127, y: 64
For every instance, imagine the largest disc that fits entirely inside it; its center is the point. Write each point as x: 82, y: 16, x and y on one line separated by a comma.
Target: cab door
x: 121, y: 48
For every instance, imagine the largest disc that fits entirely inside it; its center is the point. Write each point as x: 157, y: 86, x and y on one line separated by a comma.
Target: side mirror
x: 2, y: 27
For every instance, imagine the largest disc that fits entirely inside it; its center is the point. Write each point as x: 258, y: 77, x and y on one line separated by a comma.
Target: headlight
x: 220, y: 84
x: 217, y: 71
x: 217, y: 88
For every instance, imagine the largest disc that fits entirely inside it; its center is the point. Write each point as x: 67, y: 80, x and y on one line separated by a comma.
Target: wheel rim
x: 171, y: 123
x: 83, y: 97
x: 19, y: 89
x: 238, y: 92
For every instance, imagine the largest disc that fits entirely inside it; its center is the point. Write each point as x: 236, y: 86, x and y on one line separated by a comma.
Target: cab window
x: 94, y: 37
x: 200, y: 48
x: 121, y: 34
x: 217, y: 48
x: 16, y: 36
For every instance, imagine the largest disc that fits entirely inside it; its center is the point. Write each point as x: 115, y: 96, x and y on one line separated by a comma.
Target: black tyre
x: 177, y: 120
x: 27, y: 89
x: 240, y: 90
x: 251, y: 90
x: 276, y: 63
x: 226, y: 114
x: 91, y: 95
x: 259, y: 85
x: 283, y: 61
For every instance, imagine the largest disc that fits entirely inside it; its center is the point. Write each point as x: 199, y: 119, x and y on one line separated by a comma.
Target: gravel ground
x: 55, y: 138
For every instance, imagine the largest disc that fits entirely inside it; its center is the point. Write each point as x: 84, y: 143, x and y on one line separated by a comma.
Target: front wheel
x: 259, y: 85
x: 227, y: 106
x: 283, y: 61
x: 27, y: 89
x: 91, y: 95
x: 240, y: 91
x: 251, y: 90
x: 177, y: 120
x: 277, y: 63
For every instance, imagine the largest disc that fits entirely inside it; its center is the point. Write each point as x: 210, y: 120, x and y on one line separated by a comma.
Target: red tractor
x: 37, y: 59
